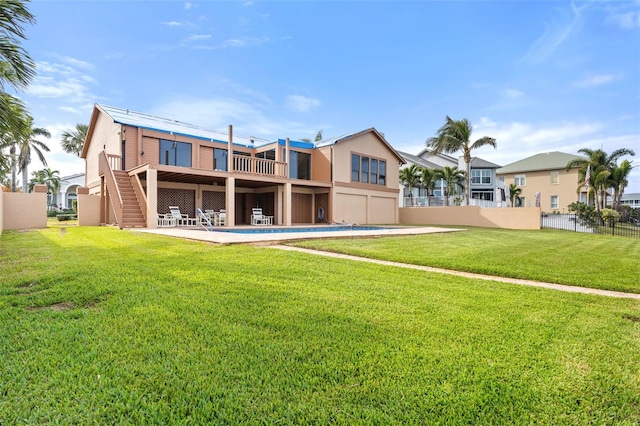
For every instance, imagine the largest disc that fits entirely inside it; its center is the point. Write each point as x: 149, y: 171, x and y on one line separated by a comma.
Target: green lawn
x: 104, y: 326
x: 597, y: 261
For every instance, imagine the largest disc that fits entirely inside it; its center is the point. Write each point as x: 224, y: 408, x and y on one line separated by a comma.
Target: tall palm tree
x: 619, y: 181
x: 453, y: 178
x: 514, y: 194
x: 601, y: 166
x: 16, y: 66
x: 73, y: 140
x: 27, y: 143
x: 455, y: 136
x: 428, y: 178
x: 12, y: 123
x: 410, y: 177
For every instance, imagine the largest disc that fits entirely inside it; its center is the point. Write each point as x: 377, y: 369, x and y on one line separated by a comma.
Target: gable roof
x: 479, y: 163
x: 410, y: 158
x: 544, y: 161
x: 333, y: 141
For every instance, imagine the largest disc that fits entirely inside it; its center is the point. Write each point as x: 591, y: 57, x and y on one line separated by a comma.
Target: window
x: 374, y: 171
x: 268, y: 155
x: 520, y: 180
x: 300, y: 166
x: 481, y: 176
x: 555, y: 178
x: 482, y: 195
x: 365, y: 170
x: 554, y: 201
x: 368, y: 170
x: 174, y: 153
x: 355, y: 168
x: 220, y: 159
x: 521, y: 202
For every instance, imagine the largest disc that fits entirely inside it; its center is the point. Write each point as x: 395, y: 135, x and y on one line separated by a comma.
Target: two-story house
x: 544, y: 174
x: 140, y: 165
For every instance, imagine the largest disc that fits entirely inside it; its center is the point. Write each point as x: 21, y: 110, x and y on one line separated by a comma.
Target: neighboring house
x: 632, y: 200
x: 547, y: 174
x: 141, y: 164
x: 67, y: 191
x: 483, y: 175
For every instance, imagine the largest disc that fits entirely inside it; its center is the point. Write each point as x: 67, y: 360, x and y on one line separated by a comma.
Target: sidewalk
x: 560, y: 287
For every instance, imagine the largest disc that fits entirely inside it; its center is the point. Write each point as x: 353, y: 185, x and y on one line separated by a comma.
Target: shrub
x: 609, y: 216
x: 587, y: 215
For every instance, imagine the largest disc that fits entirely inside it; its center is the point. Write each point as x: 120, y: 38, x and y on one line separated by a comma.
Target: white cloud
x: 197, y: 37
x: 301, y: 103
x: 245, y: 41
x: 188, y: 5
x: 555, y: 35
x: 596, y: 80
x: 77, y: 63
x: 55, y: 80
x: 513, y: 94
x: 626, y: 15
x: 172, y: 24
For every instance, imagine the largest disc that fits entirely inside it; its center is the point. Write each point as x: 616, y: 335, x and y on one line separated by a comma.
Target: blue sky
x: 536, y: 75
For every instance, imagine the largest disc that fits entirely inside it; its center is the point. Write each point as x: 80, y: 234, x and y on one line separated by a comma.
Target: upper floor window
x: 220, y: 159
x: 520, y: 180
x: 368, y: 170
x: 481, y: 176
x: 555, y: 178
x: 300, y: 165
x: 174, y: 153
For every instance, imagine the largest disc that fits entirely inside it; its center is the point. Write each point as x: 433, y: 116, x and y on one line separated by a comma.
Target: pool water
x: 270, y: 230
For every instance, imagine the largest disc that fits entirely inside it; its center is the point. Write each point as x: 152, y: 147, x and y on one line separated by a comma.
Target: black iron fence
x: 597, y: 225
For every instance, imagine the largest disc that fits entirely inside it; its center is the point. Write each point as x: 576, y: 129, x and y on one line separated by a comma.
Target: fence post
x: 575, y: 222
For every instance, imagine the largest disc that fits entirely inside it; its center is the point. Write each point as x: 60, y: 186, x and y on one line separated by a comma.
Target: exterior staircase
x: 131, y: 214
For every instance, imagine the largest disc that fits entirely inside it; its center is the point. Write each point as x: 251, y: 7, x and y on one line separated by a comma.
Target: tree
x: 514, y: 194
x: 455, y: 136
x: 601, y: 166
x: 16, y: 66
x: 410, y: 177
x: 453, y: 177
x: 619, y: 181
x: 28, y: 143
x: 73, y: 140
x: 48, y: 177
x: 11, y: 127
x: 318, y: 137
x: 428, y: 178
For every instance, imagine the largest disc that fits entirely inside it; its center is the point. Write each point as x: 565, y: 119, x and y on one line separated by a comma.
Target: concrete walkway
x: 560, y: 287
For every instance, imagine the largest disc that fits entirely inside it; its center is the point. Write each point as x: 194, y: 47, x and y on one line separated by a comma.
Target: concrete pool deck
x: 226, y: 237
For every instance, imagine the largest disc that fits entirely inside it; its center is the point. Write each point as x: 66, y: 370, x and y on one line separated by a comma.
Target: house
x: 483, y: 176
x: 546, y: 174
x: 67, y: 192
x: 140, y: 165
x: 632, y: 200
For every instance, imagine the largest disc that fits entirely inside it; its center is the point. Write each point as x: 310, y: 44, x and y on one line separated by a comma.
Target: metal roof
x: 410, y: 158
x: 166, y: 125
x: 544, y: 161
x: 479, y: 163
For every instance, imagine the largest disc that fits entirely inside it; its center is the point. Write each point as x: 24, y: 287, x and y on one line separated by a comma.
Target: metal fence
x: 571, y: 222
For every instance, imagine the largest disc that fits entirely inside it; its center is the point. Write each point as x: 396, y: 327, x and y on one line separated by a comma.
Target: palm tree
x: 428, y: 178
x: 73, y: 140
x: 410, y: 177
x: 453, y: 177
x: 27, y: 143
x: 619, y: 181
x: 12, y: 123
x: 48, y: 177
x: 514, y: 194
x: 455, y: 136
x: 601, y: 166
x: 16, y: 66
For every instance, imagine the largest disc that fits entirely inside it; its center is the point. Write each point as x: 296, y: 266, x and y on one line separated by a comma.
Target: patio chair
x: 182, y: 219
x: 257, y: 218
x: 166, y: 220
x: 220, y: 219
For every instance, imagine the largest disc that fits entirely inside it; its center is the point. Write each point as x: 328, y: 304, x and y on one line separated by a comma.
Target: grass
x: 596, y: 261
x: 104, y: 326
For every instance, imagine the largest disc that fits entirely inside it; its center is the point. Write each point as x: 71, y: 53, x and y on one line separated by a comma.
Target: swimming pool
x: 271, y: 230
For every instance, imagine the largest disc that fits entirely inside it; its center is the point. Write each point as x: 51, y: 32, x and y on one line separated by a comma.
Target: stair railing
x: 104, y: 169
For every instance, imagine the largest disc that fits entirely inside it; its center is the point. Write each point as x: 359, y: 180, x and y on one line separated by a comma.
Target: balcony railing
x: 259, y: 166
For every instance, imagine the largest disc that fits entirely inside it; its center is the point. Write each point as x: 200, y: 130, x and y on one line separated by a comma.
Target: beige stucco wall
x: 104, y: 138
x: 540, y: 181
x: 509, y: 218
x: 88, y: 210
x: 24, y: 211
